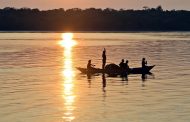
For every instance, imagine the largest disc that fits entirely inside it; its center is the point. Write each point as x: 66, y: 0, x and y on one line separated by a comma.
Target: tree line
x: 94, y: 19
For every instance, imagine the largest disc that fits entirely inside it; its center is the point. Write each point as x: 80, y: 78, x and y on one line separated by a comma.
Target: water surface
x: 39, y: 82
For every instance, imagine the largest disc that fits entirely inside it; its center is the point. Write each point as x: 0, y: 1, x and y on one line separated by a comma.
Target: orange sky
x: 117, y: 4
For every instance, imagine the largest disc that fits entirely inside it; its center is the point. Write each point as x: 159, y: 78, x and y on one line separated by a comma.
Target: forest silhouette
x: 93, y: 19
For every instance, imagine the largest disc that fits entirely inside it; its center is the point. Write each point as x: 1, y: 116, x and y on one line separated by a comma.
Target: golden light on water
x: 67, y: 36
x: 68, y: 75
x: 67, y: 40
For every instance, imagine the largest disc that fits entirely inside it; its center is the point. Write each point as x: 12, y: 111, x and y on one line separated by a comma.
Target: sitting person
x: 127, y: 66
x: 122, y: 68
x: 144, y: 62
x: 89, y: 65
x: 122, y: 64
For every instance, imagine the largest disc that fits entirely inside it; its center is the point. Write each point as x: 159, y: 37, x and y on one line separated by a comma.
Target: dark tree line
x: 92, y: 19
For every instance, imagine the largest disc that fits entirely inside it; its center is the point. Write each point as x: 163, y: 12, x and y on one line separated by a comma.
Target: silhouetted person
x: 122, y: 64
x: 103, y: 58
x: 122, y: 68
x: 144, y: 62
x: 127, y: 66
x: 89, y: 65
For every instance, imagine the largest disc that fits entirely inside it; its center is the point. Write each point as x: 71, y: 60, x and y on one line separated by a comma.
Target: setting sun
x: 67, y: 36
x: 67, y: 40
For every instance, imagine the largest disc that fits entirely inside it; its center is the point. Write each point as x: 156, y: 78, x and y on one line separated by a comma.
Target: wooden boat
x: 137, y: 70
x: 140, y: 70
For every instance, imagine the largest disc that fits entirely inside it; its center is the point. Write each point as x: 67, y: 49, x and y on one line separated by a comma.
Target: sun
x: 67, y: 36
x: 67, y: 40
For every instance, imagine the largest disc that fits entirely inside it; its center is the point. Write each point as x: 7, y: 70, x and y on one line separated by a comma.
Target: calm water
x: 39, y: 82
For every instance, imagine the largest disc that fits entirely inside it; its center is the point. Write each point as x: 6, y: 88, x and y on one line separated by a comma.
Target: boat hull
x: 138, y: 70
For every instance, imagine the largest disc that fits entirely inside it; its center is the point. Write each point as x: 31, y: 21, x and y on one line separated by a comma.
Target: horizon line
x: 143, y: 8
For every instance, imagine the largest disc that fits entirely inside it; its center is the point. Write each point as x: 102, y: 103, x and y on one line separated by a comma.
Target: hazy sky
x: 116, y: 4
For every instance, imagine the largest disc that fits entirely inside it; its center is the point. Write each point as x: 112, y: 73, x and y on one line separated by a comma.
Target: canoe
x: 137, y: 70
x: 140, y: 70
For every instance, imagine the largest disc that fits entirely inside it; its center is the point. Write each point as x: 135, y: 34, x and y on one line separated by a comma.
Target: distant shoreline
x: 18, y: 31
x: 94, y: 20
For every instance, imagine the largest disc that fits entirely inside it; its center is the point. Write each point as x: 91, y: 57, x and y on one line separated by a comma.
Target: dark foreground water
x: 39, y: 82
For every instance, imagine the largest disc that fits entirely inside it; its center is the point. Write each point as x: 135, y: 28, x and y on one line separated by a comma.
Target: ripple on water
x: 32, y: 84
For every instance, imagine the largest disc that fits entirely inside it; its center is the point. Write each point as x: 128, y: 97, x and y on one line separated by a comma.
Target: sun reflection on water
x: 67, y: 40
x: 68, y: 75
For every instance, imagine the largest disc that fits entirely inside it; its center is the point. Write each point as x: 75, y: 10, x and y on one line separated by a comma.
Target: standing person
x: 103, y: 58
x: 144, y: 63
x: 122, y: 68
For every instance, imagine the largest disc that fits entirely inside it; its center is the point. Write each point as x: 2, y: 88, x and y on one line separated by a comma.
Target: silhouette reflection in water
x: 89, y: 77
x: 124, y: 77
x: 103, y: 82
x: 143, y: 77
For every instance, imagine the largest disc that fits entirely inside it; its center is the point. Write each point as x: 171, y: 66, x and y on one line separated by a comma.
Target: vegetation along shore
x: 94, y: 19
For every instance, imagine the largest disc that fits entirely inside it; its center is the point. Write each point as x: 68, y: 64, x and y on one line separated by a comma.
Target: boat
x: 137, y: 70
x: 140, y: 70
